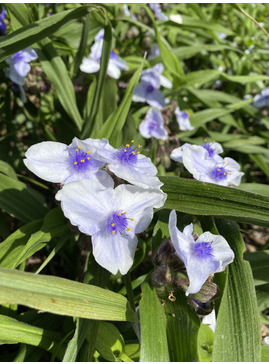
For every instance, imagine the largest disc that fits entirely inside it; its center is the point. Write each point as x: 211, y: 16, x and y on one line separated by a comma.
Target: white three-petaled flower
x: 207, y: 255
x: 112, y: 217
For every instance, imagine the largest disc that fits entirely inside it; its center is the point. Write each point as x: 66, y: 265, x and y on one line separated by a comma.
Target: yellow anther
x: 132, y: 219
x: 132, y: 141
x: 75, y: 162
x: 113, y: 232
x: 125, y: 150
x: 133, y: 152
x: 139, y: 146
x: 88, y: 157
x: 138, y: 152
x: 115, y: 50
x: 113, y: 224
x: 228, y: 164
x: 82, y: 160
x: 128, y: 229
x: 128, y: 145
x: 218, y: 170
x: 224, y: 173
x: 119, y: 214
x: 79, y: 147
x: 76, y: 150
x: 125, y: 212
x: 88, y: 152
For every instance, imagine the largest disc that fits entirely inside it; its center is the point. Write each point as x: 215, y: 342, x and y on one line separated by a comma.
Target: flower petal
x: 221, y: 249
x: 155, y: 99
x: 176, y: 154
x: 165, y: 82
x: 195, y: 159
x: 89, y: 66
x: 139, y: 94
x: 87, y: 204
x: 49, y: 161
x: 139, y: 204
x: 114, y: 252
x: 113, y: 70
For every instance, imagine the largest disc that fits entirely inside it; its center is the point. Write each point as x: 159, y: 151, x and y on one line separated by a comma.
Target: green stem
x: 130, y: 294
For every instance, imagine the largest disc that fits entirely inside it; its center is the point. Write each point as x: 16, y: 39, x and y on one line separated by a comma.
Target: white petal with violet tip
x: 49, y: 161
x: 114, y: 252
x: 87, y: 204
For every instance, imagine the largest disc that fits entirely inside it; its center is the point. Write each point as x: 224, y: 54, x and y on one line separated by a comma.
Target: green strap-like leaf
x: 200, y: 198
x: 154, y: 347
x: 19, y: 201
x: 238, y: 322
x: 35, y: 32
x: 62, y: 296
x: 113, y: 125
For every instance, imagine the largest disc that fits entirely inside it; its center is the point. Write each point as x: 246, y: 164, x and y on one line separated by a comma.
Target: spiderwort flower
x: 2, y: 23
x: 91, y: 64
x: 262, y: 99
x: 214, y: 149
x: 157, y: 11
x: 183, y: 120
x: 127, y: 12
x: 58, y: 163
x: 154, y: 76
x: 198, y: 162
x: 19, y: 65
x: 112, y: 217
x: 153, y: 125
x: 128, y: 164
x: 207, y: 255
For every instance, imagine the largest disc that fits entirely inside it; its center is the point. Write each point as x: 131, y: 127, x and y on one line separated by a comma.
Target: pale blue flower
x: 262, y: 99
x: 128, y: 164
x: 203, y: 167
x: 112, y: 217
x: 153, y: 125
x: 157, y: 11
x: 222, y: 35
x: 207, y: 255
x: 148, y: 90
x: 183, y: 120
x: 19, y: 65
x: 58, y: 163
x: 2, y: 23
x: 91, y: 64
x: 214, y: 149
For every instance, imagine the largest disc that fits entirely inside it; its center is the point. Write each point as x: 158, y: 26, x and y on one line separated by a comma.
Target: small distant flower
x: 127, y: 163
x: 214, y: 149
x: 58, y: 163
x: 19, y: 65
x: 112, y: 217
x: 157, y: 11
x: 262, y: 99
x: 2, y: 23
x: 183, y: 120
x: 222, y: 35
x: 153, y: 125
x: 207, y: 255
x: 127, y: 12
x: 148, y: 90
x: 91, y: 64
x: 177, y: 18
x: 198, y: 162
x: 154, y: 76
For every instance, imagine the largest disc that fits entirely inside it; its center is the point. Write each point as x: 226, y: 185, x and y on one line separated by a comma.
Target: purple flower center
x: 113, y: 54
x: 80, y: 160
x: 219, y: 173
x: 117, y: 223
x: 209, y: 148
x: 128, y: 154
x: 153, y: 125
x: 203, y: 250
x: 150, y: 89
x: 184, y: 115
x: 18, y: 56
